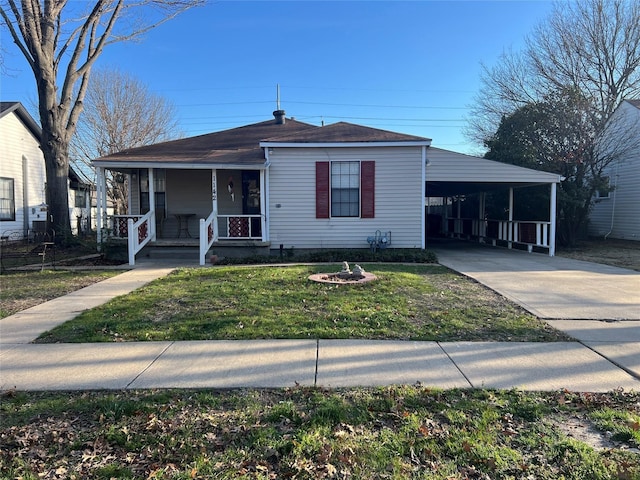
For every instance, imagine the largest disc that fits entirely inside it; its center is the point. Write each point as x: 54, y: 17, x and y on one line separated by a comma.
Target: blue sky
x: 411, y: 67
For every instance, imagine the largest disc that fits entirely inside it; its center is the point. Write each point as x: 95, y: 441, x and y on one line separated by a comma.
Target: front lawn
x: 417, y: 302
x: 22, y: 290
x: 396, y: 432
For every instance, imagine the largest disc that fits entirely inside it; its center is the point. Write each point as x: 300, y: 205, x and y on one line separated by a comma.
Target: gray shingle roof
x: 343, y: 132
x: 241, y: 146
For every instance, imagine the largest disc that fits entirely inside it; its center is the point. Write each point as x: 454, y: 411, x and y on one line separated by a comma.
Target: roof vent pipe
x: 279, y: 114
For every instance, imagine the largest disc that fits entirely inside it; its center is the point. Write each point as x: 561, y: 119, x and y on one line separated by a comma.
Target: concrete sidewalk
x: 605, y: 359
x: 328, y: 363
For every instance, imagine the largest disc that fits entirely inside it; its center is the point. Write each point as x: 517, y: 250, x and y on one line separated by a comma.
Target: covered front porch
x: 178, y: 206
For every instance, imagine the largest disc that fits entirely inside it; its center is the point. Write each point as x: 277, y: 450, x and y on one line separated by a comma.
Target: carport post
x: 510, y: 232
x: 552, y: 221
x: 482, y: 229
x: 458, y: 226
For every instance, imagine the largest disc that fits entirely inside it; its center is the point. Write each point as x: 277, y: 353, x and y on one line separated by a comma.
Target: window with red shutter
x: 345, y: 189
x: 322, y: 189
x: 367, y: 186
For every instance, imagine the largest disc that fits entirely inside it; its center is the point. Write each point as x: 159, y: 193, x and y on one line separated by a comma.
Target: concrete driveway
x: 549, y: 287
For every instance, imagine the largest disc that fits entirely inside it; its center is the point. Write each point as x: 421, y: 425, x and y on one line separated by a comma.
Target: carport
x: 453, y: 178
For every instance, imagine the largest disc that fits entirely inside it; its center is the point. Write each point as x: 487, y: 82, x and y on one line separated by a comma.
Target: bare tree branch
x: 590, y: 45
x: 120, y: 113
x: 54, y: 33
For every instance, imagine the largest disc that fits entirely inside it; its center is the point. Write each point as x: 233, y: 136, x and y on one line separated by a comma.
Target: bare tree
x: 551, y: 105
x: 119, y: 113
x: 592, y: 46
x: 61, y: 40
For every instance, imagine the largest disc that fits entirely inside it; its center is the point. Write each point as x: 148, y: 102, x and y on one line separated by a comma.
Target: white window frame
x: 348, y: 173
x: 8, y: 198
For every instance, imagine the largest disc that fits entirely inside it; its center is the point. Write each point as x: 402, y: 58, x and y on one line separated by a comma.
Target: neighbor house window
x: 345, y: 189
x: 7, y: 200
x: 80, y: 199
x: 606, y: 191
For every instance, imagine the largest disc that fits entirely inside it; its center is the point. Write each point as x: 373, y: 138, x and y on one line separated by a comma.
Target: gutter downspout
x: 613, y: 206
x: 424, y: 194
x: 265, y: 194
x: 553, y: 214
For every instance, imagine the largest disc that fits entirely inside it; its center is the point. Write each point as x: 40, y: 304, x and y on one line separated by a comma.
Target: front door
x: 251, y: 199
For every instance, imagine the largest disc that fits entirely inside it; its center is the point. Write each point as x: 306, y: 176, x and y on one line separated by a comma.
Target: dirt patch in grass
x: 618, y: 253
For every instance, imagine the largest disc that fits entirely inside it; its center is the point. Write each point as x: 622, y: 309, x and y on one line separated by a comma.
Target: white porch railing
x: 529, y: 233
x: 207, y: 236
x: 140, y: 230
x: 233, y: 227
x: 139, y: 234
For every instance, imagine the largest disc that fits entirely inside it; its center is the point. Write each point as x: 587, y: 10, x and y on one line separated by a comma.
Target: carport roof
x: 450, y: 173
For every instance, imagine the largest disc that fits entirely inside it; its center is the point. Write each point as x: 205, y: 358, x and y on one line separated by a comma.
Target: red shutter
x: 322, y: 189
x: 367, y: 189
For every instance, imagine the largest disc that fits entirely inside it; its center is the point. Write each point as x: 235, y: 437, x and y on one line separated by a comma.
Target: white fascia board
x: 178, y: 166
x: 344, y: 144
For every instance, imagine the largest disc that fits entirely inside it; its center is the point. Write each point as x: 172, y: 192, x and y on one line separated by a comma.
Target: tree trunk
x: 55, y: 148
x: 57, y: 167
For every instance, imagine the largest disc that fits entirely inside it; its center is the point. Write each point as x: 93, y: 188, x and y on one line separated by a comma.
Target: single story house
x: 23, y: 209
x: 286, y: 184
x: 616, y: 213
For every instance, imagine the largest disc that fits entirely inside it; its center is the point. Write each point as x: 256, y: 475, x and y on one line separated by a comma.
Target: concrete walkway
x: 550, y: 287
x: 605, y: 358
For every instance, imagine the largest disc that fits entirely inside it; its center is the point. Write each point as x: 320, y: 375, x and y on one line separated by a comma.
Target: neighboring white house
x: 616, y: 214
x: 23, y: 209
x: 22, y: 173
x: 80, y: 207
x: 286, y: 184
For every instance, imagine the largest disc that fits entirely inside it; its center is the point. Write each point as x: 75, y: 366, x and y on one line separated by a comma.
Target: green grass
x: 398, y: 432
x: 21, y: 290
x: 417, y: 302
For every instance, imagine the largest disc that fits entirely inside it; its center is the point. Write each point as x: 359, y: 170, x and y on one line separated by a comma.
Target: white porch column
x: 424, y: 197
x: 458, y: 225
x: 552, y: 214
x: 101, y: 207
x: 264, y: 204
x: 133, y: 177
x: 214, y: 203
x: 445, y: 203
x: 482, y: 228
x: 510, y: 227
x: 152, y: 205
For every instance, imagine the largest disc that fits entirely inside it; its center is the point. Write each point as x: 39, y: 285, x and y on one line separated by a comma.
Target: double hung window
x: 7, y: 200
x: 345, y: 189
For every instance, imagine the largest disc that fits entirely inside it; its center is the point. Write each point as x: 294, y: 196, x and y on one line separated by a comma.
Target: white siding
x: 447, y: 166
x: 20, y: 152
x: 619, y: 215
x: 398, y: 198
x: 83, y: 213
